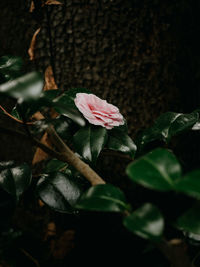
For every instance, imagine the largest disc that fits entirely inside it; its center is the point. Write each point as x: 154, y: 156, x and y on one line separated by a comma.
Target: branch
x: 65, y: 154
x: 12, y: 117
x: 70, y: 157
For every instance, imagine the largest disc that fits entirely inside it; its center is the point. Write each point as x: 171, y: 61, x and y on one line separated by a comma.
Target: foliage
x: 61, y: 186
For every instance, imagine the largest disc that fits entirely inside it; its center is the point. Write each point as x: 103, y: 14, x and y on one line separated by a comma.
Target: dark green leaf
x: 28, y: 86
x: 189, y: 184
x: 69, y: 111
x: 104, y: 197
x: 55, y: 165
x: 67, y: 98
x: 168, y: 125
x: 10, y: 67
x: 30, y: 106
x: 158, y: 170
x: 120, y: 141
x: 6, y: 164
x: 14, y: 179
x: 196, y: 126
x: 147, y: 222
x: 89, y: 141
x: 64, y: 104
x: 190, y: 220
x: 64, y: 127
x: 59, y: 191
x: 15, y: 113
x: 182, y: 122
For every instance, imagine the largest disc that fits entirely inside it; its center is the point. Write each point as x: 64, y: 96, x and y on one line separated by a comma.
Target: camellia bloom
x: 98, y: 111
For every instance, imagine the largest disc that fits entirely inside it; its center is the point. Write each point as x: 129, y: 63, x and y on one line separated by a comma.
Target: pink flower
x: 98, y: 111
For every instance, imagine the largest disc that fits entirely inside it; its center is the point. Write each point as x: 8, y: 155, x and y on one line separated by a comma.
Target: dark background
x: 143, y: 56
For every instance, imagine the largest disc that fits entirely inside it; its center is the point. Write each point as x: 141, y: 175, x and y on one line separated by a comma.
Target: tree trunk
x: 139, y: 55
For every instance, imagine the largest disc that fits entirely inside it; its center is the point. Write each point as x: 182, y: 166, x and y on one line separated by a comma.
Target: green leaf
x: 146, y: 222
x: 70, y: 111
x: 10, y: 67
x: 59, y: 191
x: 6, y: 164
x: 14, y: 179
x: 182, y: 122
x: 157, y: 170
x: 28, y: 86
x: 55, y: 165
x: 123, y: 128
x: 15, y: 113
x: 196, y: 126
x: 190, y: 220
x: 103, y: 197
x: 64, y: 104
x: 120, y: 141
x: 189, y: 184
x: 89, y: 141
x: 30, y: 106
x: 65, y: 128
x: 67, y: 98
x: 168, y: 125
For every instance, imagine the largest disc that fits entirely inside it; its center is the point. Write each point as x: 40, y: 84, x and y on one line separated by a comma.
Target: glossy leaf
x: 14, y: 179
x: 89, y: 141
x: 182, y: 123
x: 10, y: 67
x: 55, y: 165
x: 28, y: 86
x: 157, y: 170
x: 64, y: 104
x: 190, y: 220
x: 196, y: 126
x: 65, y: 128
x: 189, y: 184
x: 168, y: 125
x: 31, y: 106
x: 120, y: 141
x: 6, y: 164
x: 104, y: 197
x: 67, y: 98
x: 146, y: 222
x: 59, y: 191
x: 69, y: 111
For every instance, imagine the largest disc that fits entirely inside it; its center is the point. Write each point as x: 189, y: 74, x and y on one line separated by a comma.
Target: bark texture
x: 139, y: 55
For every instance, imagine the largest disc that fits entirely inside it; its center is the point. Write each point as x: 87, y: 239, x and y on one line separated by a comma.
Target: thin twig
x: 70, y: 157
x: 12, y: 117
x: 30, y: 257
x: 65, y: 154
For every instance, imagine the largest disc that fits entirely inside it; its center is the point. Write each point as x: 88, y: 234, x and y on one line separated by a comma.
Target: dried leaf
x: 38, y: 116
x: 49, y: 85
x: 32, y: 45
x: 50, y: 231
x: 41, y: 203
x: 40, y: 154
x: 52, y: 2
x: 49, y: 79
x: 32, y: 7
